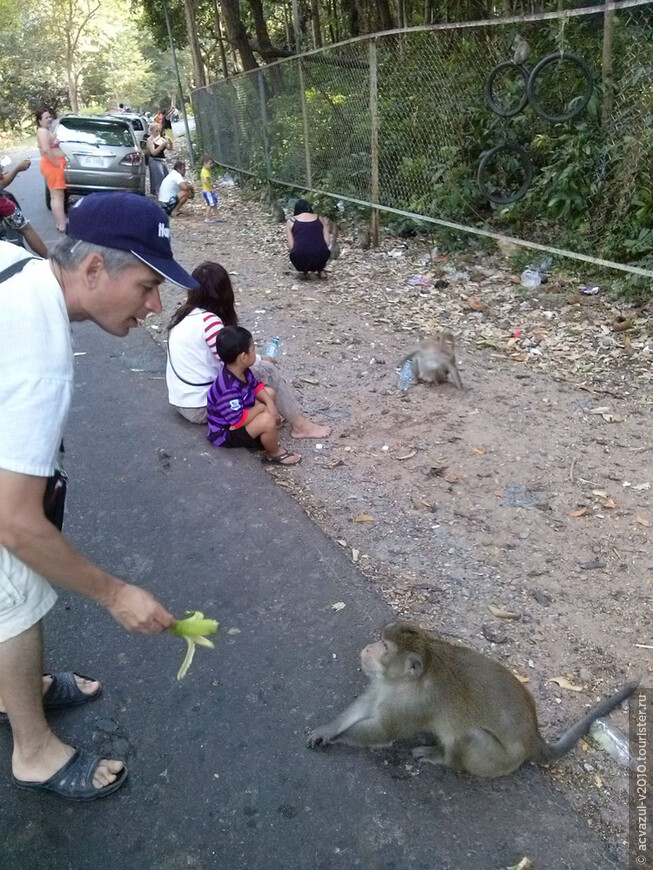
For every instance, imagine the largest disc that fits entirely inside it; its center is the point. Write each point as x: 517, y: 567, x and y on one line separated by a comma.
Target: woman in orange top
x: 52, y: 165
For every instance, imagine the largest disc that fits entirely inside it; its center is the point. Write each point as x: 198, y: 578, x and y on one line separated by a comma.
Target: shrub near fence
x: 400, y: 121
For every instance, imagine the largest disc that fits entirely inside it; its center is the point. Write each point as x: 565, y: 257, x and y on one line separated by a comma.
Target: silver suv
x: 101, y: 154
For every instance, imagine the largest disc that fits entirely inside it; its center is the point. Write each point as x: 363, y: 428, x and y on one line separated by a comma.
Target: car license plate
x: 92, y: 162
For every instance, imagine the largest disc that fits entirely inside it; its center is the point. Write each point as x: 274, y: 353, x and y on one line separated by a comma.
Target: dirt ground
x: 528, y: 493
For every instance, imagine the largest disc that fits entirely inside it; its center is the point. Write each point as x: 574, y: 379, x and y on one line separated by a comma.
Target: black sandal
x: 63, y: 691
x: 74, y: 781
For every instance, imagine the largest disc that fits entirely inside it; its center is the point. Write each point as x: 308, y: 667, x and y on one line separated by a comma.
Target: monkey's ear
x: 414, y: 665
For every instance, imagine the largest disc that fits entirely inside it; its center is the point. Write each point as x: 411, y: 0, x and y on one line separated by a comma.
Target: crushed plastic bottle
x: 531, y: 278
x: 405, y: 376
x: 611, y: 740
x: 272, y: 350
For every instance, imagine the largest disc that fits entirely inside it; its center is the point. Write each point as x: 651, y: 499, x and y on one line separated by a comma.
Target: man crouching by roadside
x: 107, y: 269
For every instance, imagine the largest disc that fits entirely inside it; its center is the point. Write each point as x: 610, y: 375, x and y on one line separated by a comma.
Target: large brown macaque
x: 434, y: 360
x: 483, y: 718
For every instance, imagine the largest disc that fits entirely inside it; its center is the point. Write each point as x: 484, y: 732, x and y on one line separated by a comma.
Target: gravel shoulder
x: 528, y: 493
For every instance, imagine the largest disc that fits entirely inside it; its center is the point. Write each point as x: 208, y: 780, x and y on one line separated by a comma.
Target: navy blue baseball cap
x: 128, y: 222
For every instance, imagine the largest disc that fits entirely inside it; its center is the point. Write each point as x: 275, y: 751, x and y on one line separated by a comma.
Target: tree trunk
x: 70, y: 75
x: 265, y: 46
x: 220, y: 38
x: 384, y: 15
x: 401, y: 13
x: 295, y: 26
x: 236, y: 33
x: 262, y: 35
x: 315, y: 24
x: 607, y: 75
x: 193, y: 43
x: 351, y: 14
x: 286, y: 25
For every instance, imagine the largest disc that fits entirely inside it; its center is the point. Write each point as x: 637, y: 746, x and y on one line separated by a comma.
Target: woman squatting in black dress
x: 308, y: 240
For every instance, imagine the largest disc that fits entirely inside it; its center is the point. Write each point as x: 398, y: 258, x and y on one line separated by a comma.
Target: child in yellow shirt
x: 210, y: 196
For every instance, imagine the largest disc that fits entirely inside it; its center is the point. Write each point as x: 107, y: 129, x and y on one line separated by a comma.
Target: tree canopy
x: 81, y: 55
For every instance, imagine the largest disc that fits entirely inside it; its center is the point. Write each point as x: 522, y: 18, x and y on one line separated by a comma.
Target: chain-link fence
x: 402, y: 121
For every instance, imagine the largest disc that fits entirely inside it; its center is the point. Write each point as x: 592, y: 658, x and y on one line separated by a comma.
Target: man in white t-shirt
x: 107, y: 269
x: 175, y: 191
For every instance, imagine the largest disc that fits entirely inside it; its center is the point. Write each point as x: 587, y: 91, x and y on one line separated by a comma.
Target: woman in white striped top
x: 193, y: 364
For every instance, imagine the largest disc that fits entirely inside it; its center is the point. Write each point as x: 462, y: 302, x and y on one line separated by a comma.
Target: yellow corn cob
x: 193, y: 630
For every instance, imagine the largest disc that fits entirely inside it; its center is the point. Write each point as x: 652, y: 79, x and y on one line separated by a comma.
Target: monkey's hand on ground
x: 320, y: 737
x: 432, y: 754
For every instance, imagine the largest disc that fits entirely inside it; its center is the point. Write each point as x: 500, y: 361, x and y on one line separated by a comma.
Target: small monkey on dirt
x: 483, y: 718
x: 364, y: 238
x: 435, y: 359
x: 334, y: 247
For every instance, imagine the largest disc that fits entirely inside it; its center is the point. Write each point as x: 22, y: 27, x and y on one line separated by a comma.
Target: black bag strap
x: 183, y: 380
x: 14, y: 269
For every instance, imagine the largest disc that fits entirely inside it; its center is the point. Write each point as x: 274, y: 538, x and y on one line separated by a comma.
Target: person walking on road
x: 107, y: 269
x: 53, y: 163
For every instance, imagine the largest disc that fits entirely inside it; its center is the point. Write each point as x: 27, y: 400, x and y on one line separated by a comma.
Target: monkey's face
x: 373, y: 658
x: 385, y: 659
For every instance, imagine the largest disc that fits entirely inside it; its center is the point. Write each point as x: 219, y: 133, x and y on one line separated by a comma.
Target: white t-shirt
x: 170, y: 185
x: 191, y: 350
x: 36, y: 366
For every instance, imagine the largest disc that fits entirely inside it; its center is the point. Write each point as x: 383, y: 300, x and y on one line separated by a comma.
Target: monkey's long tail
x: 551, y: 751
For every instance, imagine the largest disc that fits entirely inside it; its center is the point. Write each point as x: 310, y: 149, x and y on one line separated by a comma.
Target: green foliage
x: 154, y: 20
x: 114, y: 60
x: 590, y: 191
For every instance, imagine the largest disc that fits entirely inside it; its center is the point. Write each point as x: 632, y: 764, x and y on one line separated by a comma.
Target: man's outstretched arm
x: 29, y: 536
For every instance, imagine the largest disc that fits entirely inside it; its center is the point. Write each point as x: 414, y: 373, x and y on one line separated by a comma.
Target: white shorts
x: 25, y: 597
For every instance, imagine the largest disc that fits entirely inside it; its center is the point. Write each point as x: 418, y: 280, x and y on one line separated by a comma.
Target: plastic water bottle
x: 405, y: 375
x: 272, y: 350
x: 531, y: 278
x: 611, y: 740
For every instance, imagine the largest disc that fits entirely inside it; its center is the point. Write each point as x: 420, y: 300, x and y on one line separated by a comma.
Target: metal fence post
x: 374, y: 133
x: 264, y: 120
x: 218, y: 138
x: 239, y: 161
x: 307, y: 149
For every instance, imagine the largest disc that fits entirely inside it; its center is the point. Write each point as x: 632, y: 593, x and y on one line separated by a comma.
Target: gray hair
x: 69, y: 253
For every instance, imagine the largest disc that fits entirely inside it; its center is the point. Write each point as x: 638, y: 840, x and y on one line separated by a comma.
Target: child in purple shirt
x: 241, y: 410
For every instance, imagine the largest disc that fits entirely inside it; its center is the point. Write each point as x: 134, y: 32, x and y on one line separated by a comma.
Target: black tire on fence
x: 560, y: 57
x: 489, y: 89
x: 485, y: 167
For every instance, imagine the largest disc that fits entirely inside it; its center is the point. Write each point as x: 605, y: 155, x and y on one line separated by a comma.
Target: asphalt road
x: 219, y: 774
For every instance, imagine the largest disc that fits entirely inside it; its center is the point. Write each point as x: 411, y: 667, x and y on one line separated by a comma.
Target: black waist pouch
x: 54, y: 499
